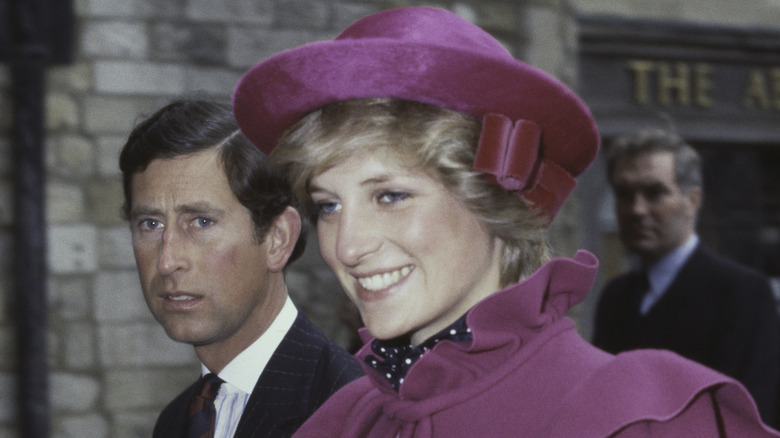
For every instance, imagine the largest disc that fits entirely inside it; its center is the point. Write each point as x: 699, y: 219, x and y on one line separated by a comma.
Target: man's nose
x: 639, y: 204
x: 172, y: 256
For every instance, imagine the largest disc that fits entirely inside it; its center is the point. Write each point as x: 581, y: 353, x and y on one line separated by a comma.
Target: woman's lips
x: 385, y: 280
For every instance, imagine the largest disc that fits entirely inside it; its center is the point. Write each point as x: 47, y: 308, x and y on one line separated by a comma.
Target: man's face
x: 655, y: 216
x: 203, y: 273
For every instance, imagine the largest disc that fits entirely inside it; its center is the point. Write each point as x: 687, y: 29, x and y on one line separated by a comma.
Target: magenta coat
x: 527, y: 373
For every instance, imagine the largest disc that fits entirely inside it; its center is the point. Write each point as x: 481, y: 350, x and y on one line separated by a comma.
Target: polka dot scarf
x: 394, y: 358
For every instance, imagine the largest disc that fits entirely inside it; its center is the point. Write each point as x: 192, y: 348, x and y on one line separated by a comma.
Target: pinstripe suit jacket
x: 303, y: 372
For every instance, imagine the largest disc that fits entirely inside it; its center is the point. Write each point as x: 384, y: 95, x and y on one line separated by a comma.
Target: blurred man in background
x: 683, y: 297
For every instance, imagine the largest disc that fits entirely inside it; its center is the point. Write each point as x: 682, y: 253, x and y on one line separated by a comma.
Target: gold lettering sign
x: 763, y: 89
x: 676, y: 84
x: 686, y: 84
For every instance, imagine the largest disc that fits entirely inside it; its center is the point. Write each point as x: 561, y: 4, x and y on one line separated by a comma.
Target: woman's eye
x: 391, y: 197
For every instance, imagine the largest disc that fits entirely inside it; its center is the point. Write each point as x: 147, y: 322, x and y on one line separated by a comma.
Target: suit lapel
x: 686, y: 286
x: 280, y: 400
x: 174, y: 416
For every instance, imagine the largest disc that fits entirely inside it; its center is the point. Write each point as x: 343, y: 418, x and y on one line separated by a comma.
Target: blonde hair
x: 439, y: 141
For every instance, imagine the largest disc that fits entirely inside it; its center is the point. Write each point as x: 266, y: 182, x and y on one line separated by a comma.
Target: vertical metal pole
x: 28, y: 66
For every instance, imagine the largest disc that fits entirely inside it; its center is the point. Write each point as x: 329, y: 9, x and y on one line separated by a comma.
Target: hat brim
x: 278, y: 92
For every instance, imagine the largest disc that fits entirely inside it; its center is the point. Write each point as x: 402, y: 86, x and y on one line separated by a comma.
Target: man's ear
x: 695, y: 197
x: 281, y: 238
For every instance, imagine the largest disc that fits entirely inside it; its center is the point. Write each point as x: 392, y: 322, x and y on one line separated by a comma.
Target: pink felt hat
x: 537, y: 134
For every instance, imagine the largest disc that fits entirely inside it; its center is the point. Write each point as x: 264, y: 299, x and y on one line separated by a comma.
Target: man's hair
x: 687, y: 162
x: 186, y: 127
x: 438, y: 141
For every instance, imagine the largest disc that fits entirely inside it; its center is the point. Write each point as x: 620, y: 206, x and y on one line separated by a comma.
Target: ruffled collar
x: 394, y: 358
x: 501, y: 324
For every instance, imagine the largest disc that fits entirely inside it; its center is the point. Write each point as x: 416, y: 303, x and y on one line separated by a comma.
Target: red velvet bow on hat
x: 513, y: 156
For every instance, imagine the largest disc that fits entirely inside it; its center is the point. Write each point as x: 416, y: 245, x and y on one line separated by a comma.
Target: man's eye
x: 654, y: 194
x: 324, y: 208
x: 203, y: 222
x: 150, y: 224
x: 623, y: 195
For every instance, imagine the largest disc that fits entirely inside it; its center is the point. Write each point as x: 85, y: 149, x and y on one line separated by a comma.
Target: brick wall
x: 112, y: 367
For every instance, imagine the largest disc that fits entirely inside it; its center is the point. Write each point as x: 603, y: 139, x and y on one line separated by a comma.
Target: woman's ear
x: 281, y: 238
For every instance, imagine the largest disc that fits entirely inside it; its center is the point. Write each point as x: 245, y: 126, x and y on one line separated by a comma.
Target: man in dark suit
x: 683, y: 297
x: 212, y: 231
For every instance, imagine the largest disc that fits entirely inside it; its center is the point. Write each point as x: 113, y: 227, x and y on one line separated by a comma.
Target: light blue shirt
x: 242, y: 373
x: 661, y: 274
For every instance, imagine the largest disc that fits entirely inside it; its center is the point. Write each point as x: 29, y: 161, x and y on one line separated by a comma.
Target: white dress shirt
x: 242, y: 373
x: 661, y: 274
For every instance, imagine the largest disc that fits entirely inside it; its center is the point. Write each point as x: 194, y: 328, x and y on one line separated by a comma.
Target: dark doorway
x: 741, y: 213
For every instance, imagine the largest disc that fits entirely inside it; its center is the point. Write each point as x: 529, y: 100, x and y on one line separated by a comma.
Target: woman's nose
x: 357, y: 236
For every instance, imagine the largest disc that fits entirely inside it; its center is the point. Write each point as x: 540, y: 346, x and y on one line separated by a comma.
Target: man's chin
x: 640, y: 246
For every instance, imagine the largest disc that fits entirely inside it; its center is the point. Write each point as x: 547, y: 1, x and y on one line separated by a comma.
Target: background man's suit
x: 715, y: 312
x: 303, y: 372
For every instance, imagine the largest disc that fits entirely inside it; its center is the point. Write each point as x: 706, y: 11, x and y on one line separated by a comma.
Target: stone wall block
x: 82, y: 426
x: 105, y: 202
x: 108, y: 149
x: 304, y: 14
x: 62, y: 111
x: 348, y: 13
x: 256, y: 12
x: 75, y: 156
x: 69, y: 297
x: 497, y: 17
x: 116, y: 115
x: 75, y: 78
x: 115, y: 248
x: 545, y: 45
x: 73, y: 392
x: 72, y: 249
x: 115, y: 39
x: 248, y: 45
x: 116, y: 77
x: 132, y: 389
x: 136, y: 423
x: 197, y: 43
x: 131, y: 8
x: 65, y: 202
x: 140, y: 344
x: 118, y: 297
x: 79, y: 345
x: 216, y: 83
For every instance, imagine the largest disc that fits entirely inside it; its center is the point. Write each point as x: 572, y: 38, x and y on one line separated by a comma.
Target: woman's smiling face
x: 410, y: 255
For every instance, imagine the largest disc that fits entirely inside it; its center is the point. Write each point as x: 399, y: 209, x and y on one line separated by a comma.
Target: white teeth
x: 383, y: 281
x: 181, y: 298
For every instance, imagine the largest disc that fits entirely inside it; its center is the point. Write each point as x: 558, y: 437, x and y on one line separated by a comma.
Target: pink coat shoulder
x: 329, y: 419
x: 654, y: 393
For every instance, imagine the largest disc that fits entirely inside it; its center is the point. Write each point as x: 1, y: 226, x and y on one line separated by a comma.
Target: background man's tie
x: 202, y: 414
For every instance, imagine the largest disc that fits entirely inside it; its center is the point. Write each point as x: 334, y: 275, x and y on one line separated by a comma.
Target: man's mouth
x: 180, y: 297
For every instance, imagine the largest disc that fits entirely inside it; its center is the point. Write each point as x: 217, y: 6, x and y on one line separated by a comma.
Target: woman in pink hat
x: 432, y: 162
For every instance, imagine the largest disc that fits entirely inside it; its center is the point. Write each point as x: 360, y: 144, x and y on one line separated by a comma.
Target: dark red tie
x: 202, y: 414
